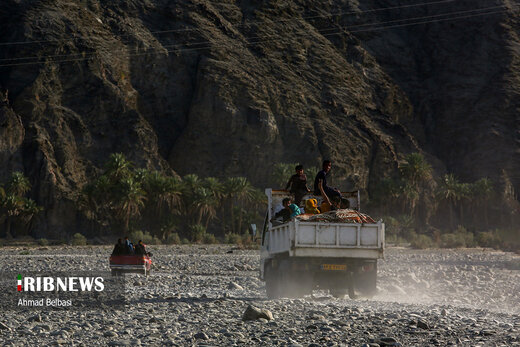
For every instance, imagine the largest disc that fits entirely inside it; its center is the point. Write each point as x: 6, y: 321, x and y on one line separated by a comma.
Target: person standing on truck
x: 320, y: 184
x: 297, y: 185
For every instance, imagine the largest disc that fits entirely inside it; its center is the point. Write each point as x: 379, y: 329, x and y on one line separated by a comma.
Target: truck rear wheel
x: 282, y: 282
x: 340, y: 293
x: 366, y: 282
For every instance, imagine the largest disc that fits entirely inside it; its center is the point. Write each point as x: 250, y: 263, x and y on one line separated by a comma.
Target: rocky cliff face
x: 230, y: 88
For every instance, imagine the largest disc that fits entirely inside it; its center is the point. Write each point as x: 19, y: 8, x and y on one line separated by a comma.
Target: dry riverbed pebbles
x: 198, y: 296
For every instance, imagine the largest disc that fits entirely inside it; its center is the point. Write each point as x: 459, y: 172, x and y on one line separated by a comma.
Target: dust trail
x: 477, y: 279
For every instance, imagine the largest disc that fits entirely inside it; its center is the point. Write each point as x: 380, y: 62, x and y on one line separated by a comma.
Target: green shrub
x: 510, y: 239
x: 185, y: 241
x: 209, y: 239
x: 489, y: 239
x: 146, y: 237
x: 135, y: 236
x: 396, y: 240
x: 79, y: 240
x: 400, y: 227
x: 173, y: 239
x: 421, y: 241
x: 43, y: 242
x: 197, y: 232
x: 459, y: 238
x: 247, y: 241
x: 233, y: 239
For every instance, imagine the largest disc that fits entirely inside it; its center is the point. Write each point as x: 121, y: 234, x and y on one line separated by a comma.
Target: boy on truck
x: 289, y: 211
x: 297, y: 185
x: 320, y: 184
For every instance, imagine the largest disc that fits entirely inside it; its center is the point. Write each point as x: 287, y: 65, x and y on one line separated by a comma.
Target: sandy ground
x: 196, y: 295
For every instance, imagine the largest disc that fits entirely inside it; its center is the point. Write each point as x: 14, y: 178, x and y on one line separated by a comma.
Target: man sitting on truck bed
x: 320, y: 184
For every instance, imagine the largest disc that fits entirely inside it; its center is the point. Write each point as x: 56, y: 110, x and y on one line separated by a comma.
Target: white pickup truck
x: 300, y: 256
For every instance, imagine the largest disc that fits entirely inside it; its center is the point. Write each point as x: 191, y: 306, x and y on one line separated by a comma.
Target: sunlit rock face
x: 230, y: 88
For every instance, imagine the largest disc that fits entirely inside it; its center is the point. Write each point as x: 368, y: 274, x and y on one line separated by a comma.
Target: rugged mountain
x: 230, y: 87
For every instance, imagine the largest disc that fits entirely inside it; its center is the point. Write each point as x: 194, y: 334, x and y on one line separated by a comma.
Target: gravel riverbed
x: 197, y: 295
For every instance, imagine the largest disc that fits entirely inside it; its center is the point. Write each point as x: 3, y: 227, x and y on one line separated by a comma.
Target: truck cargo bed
x: 321, y: 239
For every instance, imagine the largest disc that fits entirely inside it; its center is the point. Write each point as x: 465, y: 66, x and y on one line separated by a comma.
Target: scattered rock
x: 109, y: 333
x: 120, y: 343
x: 487, y: 332
x: 311, y: 327
x: 36, y: 318
x: 422, y: 325
x: 388, y: 341
x: 235, y: 286
x: 4, y: 327
x: 254, y: 313
x: 201, y: 336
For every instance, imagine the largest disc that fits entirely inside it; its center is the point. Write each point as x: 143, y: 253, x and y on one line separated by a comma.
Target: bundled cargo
x: 338, y: 216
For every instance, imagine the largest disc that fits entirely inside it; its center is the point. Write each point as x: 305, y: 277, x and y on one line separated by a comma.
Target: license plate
x: 333, y: 267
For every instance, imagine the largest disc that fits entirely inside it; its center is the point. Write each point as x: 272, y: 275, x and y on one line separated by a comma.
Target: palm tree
x: 239, y: 191
x: 30, y: 211
x: 281, y: 173
x: 189, y: 207
x: 416, y: 169
x: 13, y: 206
x: 416, y: 173
x: 464, y: 195
x: 18, y: 184
x: 215, y: 186
x: 217, y: 191
x: 104, y: 198
x: 87, y: 203
x: 118, y: 167
x: 206, y: 204
x: 411, y: 196
x: 483, y: 190
x: 163, y: 191
x: 130, y: 200
x: 311, y: 173
x: 449, y: 190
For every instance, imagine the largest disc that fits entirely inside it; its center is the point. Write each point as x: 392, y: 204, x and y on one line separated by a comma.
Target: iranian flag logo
x: 19, y: 283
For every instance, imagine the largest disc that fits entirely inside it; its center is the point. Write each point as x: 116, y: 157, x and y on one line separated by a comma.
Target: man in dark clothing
x: 119, y: 248
x: 320, y: 184
x: 298, y: 185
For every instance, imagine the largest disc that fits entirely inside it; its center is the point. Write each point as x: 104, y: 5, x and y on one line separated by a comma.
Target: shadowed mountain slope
x: 227, y: 88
